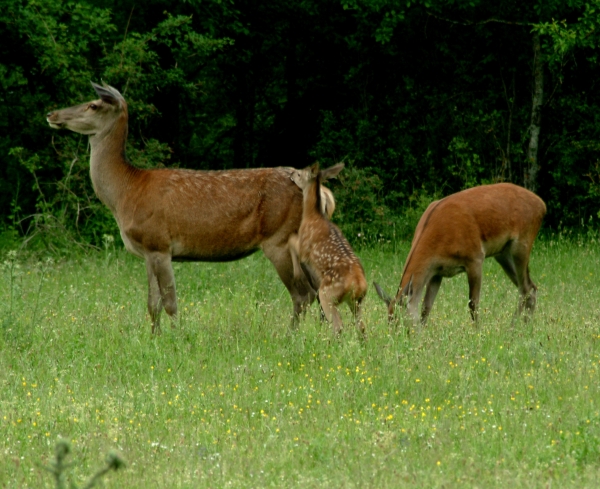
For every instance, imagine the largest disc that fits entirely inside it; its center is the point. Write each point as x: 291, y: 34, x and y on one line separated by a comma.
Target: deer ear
x: 296, y: 177
x: 314, y: 169
x: 332, y: 171
x: 382, y: 294
x: 108, y: 94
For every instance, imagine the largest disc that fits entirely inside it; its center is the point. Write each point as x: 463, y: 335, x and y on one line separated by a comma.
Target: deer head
x: 92, y: 117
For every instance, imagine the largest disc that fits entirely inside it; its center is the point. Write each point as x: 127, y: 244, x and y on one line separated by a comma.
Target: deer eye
x: 93, y: 106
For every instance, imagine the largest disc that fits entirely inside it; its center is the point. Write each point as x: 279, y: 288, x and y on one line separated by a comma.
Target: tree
x: 61, y: 47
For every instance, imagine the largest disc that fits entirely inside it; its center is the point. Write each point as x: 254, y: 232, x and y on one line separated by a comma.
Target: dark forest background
x: 420, y: 99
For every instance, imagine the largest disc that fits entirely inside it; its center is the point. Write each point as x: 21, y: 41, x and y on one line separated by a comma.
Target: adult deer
x: 167, y: 215
x: 457, y: 233
x: 321, y: 245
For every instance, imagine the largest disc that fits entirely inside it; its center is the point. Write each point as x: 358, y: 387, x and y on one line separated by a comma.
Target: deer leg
x: 294, y: 245
x: 356, y: 308
x: 515, y: 263
x: 432, y: 289
x: 154, y: 299
x: 300, y: 290
x: 314, y: 283
x: 527, y: 289
x: 301, y: 270
x: 331, y: 312
x: 413, y: 293
x: 160, y: 264
x: 508, y: 265
x: 474, y: 272
x: 528, y: 294
x: 311, y: 277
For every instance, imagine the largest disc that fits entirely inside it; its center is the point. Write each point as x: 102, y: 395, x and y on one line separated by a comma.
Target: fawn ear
x: 332, y: 171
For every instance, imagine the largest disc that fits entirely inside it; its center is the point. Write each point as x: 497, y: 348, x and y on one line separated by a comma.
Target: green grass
x: 231, y: 398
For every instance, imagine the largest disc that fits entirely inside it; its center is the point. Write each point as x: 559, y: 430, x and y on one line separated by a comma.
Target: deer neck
x: 312, y: 201
x: 109, y: 170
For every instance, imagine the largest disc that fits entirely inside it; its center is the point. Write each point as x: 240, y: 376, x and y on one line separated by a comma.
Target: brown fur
x: 321, y: 245
x: 177, y: 215
x: 457, y: 233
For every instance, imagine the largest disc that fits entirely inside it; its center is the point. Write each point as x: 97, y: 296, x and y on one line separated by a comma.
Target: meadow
x: 233, y: 398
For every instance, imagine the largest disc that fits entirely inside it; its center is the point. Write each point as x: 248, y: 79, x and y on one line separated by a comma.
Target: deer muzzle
x: 51, y: 118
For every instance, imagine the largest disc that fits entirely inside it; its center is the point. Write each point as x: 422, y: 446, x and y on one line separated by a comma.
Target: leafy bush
x: 363, y: 213
x: 45, y: 193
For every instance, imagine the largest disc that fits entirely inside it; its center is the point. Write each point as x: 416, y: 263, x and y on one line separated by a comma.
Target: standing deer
x: 167, y: 215
x: 457, y: 233
x: 321, y: 245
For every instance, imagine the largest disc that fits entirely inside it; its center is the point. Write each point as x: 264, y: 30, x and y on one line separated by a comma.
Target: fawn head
x: 303, y: 178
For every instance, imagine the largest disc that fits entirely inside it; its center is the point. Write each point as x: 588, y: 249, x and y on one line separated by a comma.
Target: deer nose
x: 48, y: 114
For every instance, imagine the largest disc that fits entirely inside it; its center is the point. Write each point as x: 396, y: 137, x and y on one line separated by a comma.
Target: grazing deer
x: 167, y: 215
x: 321, y: 245
x: 457, y: 233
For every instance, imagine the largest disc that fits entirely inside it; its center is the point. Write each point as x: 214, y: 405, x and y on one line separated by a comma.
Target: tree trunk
x: 532, y: 168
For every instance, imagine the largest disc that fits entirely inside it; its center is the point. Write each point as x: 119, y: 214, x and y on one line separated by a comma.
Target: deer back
x: 465, y: 224
x: 216, y: 215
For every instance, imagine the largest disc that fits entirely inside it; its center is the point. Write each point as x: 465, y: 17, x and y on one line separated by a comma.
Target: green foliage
x: 64, y: 45
x: 67, y: 213
x: 360, y: 211
x: 463, y: 163
x: 565, y: 36
x: 363, y: 212
x: 428, y: 94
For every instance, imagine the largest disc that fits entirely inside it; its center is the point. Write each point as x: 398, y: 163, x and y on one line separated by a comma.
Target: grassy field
x: 232, y: 398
